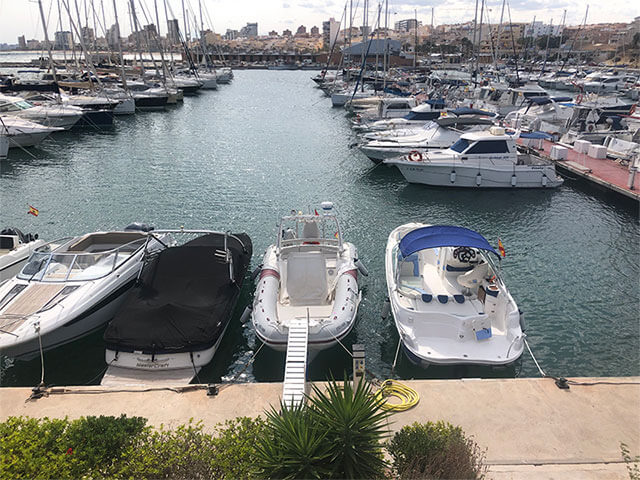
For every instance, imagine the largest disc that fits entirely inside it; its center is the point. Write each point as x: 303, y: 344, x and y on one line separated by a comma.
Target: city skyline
x: 22, y: 17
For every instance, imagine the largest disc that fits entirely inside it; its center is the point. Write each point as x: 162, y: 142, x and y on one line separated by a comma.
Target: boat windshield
x: 461, y: 145
x: 46, y: 265
x: 14, y: 105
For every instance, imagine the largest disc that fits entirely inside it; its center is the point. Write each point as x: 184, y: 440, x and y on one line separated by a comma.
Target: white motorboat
x: 176, y: 314
x: 309, y: 275
x: 48, y: 114
x: 15, y: 248
x: 4, y: 144
x: 67, y: 289
x: 546, y: 114
x: 448, y: 300
x: 416, y: 118
x: 386, y: 107
x: 341, y: 97
x: 23, y: 133
x: 487, y: 159
x: 439, y: 134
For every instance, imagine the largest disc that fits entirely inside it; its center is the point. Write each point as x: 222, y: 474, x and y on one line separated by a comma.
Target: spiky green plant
x: 354, y: 427
x: 294, y: 446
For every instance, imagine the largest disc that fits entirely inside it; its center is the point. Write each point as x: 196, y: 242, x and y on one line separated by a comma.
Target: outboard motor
x: 139, y: 227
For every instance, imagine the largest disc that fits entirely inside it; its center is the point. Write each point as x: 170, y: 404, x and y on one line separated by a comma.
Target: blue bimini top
x: 442, y: 236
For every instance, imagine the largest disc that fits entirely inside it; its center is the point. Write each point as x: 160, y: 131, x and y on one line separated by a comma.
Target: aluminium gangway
x: 295, y: 372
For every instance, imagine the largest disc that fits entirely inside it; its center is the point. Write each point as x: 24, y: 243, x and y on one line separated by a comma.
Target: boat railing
x: 47, y: 265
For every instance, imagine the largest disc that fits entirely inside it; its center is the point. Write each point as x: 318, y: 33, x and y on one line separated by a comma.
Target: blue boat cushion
x: 413, y: 258
x: 443, y: 298
x: 427, y: 297
x: 459, y: 298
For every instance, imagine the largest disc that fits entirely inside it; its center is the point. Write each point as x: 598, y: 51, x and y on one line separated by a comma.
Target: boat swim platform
x: 603, y: 172
x: 529, y: 427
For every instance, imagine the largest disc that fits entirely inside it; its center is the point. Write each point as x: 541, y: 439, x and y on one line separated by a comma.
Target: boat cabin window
x: 460, y: 145
x: 398, y: 106
x: 490, y: 146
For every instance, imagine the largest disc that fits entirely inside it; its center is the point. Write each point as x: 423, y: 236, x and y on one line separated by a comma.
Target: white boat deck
x: 127, y: 377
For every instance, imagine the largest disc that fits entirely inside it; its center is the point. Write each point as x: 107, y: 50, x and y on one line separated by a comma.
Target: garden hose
x: 391, y: 388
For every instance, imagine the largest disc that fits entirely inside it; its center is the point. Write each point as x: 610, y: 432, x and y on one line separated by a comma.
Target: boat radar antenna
x: 327, y: 207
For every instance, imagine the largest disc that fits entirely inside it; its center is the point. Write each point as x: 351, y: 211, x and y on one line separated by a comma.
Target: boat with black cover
x: 176, y: 315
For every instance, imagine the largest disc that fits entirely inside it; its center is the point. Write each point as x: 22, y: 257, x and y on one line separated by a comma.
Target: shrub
x: 294, y: 445
x: 354, y: 426
x: 435, y: 450
x: 59, y: 448
x: 632, y: 462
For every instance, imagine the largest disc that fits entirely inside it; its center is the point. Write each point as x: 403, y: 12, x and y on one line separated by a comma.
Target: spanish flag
x: 33, y: 211
x: 501, y: 249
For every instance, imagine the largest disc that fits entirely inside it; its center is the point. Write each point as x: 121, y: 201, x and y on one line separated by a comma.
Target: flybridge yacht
x: 417, y: 117
x: 502, y: 100
x: 308, y: 277
x: 48, y: 114
x: 439, y: 134
x: 67, y: 289
x: 449, y: 303
x: 547, y: 114
x: 485, y: 159
x: 23, y: 133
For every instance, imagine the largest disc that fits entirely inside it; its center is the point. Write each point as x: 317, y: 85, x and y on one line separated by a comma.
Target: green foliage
x: 121, y: 447
x: 59, y: 448
x: 435, y: 450
x: 632, y: 462
x: 294, y: 446
x: 354, y: 425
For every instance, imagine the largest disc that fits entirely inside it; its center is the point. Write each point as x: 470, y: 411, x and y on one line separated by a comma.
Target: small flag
x: 501, y: 249
x: 336, y: 235
x: 33, y: 211
x: 316, y: 211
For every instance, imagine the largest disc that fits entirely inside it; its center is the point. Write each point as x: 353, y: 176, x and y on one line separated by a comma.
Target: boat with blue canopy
x: 448, y: 300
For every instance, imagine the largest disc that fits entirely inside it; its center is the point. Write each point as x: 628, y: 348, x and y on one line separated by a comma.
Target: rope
x: 392, y: 388
x: 246, y: 365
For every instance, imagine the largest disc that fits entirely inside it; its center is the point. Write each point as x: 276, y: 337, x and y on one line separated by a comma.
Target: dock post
x: 632, y: 173
x: 358, y: 364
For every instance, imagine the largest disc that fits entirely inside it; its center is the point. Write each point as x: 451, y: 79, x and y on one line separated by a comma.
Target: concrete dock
x: 530, y: 427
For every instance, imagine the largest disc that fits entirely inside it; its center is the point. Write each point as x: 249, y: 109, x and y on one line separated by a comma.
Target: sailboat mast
x: 122, y: 74
x: 46, y: 39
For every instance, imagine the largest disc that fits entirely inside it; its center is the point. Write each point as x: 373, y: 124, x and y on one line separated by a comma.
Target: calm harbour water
x: 239, y: 157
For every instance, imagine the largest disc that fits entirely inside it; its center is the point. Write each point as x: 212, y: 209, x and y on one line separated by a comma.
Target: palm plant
x: 294, y: 446
x: 354, y: 427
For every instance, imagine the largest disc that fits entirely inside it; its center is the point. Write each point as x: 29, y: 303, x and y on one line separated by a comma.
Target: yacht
x: 23, y: 133
x: 485, y: 159
x: 48, y: 114
x: 15, y: 248
x: 309, y: 275
x: 417, y: 117
x: 439, y: 134
x: 67, y: 289
x: 177, y: 313
x: 448, y: 299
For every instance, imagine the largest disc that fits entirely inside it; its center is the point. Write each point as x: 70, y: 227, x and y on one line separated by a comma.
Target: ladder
x: 295, y: 371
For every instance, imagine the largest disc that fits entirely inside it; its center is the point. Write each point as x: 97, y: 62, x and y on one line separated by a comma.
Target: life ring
x: 415, y: 156
x: 579, y: 99
x: 590, y: 127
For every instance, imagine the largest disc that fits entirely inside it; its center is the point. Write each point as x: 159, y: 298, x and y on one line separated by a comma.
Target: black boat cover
x: 184, y: 298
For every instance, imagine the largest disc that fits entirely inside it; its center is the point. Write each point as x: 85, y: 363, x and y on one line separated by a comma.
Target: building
x: 250, y: 30
x: 330, y: 32
x: 112, y: 36
x: 62, y: 40
x: 377, y: 47
x: 173, y: 31
x: 301, y: 31
x: 34, y: 44
x: 315, y: 31
x: 88, y: 35
x: 231, y: 34
x: 273, y: 33
x: 22, y: 43
x: 407, y: 25
x: 286, y: 33
x: 539, y: 29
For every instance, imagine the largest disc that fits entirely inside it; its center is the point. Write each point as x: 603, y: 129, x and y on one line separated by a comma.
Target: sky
x: 21, y: 17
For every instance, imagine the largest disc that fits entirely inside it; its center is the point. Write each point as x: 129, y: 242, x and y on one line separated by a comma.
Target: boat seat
x: 311, y: 230
x: 307, y: 278
x: 8, y: 242
x: 474, y: 277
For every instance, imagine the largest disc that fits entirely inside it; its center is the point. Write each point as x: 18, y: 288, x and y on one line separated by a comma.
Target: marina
x: 205, y: 226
